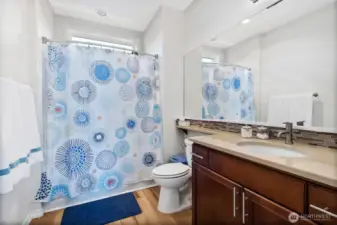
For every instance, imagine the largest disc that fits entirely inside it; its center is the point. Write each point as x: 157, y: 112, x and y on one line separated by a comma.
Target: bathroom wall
x: 153, y: 35
x: 67, y: 27
x: 298, y: 57
x: 22, y: 24
x: 218, y: 54
x: 193, y: 83
x: 13, y: 39
x: 45, y: 24
x: 164, y: 36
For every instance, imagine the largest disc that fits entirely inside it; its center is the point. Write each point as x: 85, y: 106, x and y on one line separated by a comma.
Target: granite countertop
x: 319, y: 163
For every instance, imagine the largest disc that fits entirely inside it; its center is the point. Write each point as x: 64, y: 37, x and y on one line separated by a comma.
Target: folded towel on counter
x: 19, y: 136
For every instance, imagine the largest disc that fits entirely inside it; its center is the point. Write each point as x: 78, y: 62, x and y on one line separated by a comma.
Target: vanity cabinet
x: 217, y: 200
x: 232, y: 190
x: 323, y: 202
x: 260, y: 179
x: 261, y: 211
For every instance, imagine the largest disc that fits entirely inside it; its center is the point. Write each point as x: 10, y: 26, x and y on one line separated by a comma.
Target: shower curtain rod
x: 46, y: 40
x: 223, y: 64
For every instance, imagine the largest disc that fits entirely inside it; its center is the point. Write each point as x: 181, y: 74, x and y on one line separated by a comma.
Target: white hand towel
x: 31, y: 137
x: 14, y: 147
x: 9, y: 126
x: 291, y: 108
x: 301, y: 108
x: 278, y: 110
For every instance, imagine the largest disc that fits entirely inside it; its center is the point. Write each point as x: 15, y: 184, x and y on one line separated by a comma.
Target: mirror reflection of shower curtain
x: 103, y: 122
x: 228, y: 93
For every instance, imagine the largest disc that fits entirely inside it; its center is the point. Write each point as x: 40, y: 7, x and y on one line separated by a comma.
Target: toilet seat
x: 171, y: 170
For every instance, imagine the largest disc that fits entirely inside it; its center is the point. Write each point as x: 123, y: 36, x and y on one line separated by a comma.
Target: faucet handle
x: 286, y: 123
x: 300, y: 123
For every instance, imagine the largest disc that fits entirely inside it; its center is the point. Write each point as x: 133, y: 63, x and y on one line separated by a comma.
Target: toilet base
x: 169, y: 200
x: 175, y: 200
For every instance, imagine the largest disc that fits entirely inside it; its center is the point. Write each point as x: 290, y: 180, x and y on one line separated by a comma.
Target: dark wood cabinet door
x: 216, y: 200
x: 261, y: 211
x: 322, y: 204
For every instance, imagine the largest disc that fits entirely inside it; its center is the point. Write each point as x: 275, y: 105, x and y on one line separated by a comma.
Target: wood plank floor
x: 147, y: 200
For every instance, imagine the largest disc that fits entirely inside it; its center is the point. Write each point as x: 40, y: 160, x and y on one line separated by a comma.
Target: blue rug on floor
x: 102, y: 211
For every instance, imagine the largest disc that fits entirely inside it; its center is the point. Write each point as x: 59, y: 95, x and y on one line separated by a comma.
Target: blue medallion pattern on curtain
x: 103, y: 128
x: 228, y: 93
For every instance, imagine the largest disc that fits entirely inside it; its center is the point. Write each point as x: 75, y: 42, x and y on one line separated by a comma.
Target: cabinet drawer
x: 322, y: 202
x: 281, y: 188
x: 200, y: 155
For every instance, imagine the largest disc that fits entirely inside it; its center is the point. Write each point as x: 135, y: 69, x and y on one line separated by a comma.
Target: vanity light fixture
x: 101, y: 12
x: 245, y: 21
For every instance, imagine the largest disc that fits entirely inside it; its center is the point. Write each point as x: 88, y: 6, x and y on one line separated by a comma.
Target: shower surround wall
x: 104, y: 122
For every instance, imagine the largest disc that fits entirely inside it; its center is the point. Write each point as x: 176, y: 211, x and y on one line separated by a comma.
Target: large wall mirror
x: 277, y: 66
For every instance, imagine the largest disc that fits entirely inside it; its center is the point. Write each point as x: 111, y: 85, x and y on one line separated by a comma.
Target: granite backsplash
x: 304, y: 136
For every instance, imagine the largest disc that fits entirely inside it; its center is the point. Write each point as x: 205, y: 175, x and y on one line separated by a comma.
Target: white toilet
x: 175, y: 192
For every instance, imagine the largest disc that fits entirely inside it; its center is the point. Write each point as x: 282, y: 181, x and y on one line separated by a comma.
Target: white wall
x: 299, y: 57
x: 206, y: 19
x: 153, y: 35
x: 218, y: 54
x: 66, y: 27
x: 193, y: 83
x: 172, y: 82
x: 13, y: 38
x: 45, y: 24
x: 22, y: 24
x: 164, y: 36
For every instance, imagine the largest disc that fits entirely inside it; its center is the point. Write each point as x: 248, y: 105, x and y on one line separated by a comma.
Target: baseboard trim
x: 33, y: 215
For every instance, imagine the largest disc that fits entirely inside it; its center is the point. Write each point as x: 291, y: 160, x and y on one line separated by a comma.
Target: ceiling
x: 129, y: 14
x: 267, y: 20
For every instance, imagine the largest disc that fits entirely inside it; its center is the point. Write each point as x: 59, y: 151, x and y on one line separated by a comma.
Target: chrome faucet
x: 288, y: 132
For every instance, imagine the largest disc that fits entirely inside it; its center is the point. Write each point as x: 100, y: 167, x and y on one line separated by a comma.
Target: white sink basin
x: 269, y: 149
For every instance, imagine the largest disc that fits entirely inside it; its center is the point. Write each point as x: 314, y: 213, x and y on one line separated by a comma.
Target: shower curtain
x: 228, y: 93
x: 102, y: 121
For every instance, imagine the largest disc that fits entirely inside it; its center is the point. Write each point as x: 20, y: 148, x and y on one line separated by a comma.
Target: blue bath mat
x: 103, y: 211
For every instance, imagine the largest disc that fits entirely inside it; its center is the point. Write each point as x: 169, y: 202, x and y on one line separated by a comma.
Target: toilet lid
x: 171, y: 170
